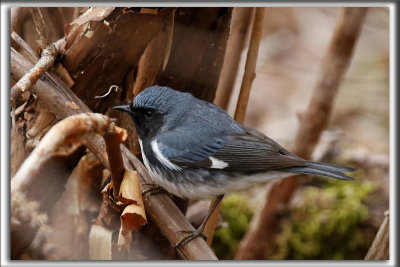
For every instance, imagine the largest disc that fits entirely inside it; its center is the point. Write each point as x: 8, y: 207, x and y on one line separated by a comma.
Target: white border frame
x: 5, y: 136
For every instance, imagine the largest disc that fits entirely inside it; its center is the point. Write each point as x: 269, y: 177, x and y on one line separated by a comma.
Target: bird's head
x: 156, y: 108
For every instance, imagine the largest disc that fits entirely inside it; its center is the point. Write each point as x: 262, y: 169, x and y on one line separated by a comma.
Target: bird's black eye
x: 148, y: 113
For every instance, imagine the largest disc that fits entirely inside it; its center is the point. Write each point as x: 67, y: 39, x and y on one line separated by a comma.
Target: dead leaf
x: 133, y: 216
x: 130, y: 188
x: 155, y: 56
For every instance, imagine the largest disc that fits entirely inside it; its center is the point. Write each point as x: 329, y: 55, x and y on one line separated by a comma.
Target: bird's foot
x: 190, y: 236
x: 153, y: 189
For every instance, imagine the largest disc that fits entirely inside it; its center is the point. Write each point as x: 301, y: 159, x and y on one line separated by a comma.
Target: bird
x: 193, y: 149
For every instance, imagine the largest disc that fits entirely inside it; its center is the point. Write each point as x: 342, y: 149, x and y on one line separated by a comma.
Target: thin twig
x: 115, y: 87
x: 264, y: 226
x: 45, y: 62
x: 60, y: 70
x: 40, y: 26
x: 241, y: 18
x: 250, y: 68
x: 379, y: 249
x: 18, y: 68
x: 21, y: 43
x: 243, y: 100
x: 165, y: 214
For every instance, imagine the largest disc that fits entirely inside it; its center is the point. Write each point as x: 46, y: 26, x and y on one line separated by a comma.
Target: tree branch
x: 45, y: 62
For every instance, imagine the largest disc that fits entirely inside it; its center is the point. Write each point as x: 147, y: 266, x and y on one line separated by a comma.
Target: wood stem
x: 250, y: 67
x: 241, y: 18
x: 379, y: 249
x: 40, y: 26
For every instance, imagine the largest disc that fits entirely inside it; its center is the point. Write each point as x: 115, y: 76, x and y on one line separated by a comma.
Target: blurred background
x: 326, y: 219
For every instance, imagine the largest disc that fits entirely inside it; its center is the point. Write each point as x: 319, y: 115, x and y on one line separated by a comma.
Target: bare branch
x: 60, y: 70
x: 21, y: 43
x: 250, y: 68
x: 379, y: 249
x: 45, y: 62
x: 241, y: 18
x: 40, y: 26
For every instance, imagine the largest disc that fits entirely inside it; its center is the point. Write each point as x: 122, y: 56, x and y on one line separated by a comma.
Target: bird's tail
x: 323, y: 169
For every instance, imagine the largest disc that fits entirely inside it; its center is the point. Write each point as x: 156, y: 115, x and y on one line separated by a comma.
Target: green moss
x: 327, y: 226
x: 237, y: 213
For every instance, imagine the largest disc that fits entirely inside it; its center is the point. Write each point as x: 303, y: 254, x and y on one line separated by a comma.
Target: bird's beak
x: 125, y: 108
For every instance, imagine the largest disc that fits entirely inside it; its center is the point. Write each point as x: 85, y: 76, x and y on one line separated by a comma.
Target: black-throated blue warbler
x: 195, y: 150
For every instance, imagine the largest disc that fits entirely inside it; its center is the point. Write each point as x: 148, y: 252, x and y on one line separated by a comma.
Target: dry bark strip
x: 114, y: 155
x: 197, y: 51
x: 264, y: 226
x: 155, y: 57
x: 379, y: 249
x: 133, y: 216
x: 63, y: 102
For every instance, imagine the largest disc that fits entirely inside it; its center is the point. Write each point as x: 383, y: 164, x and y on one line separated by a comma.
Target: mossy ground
x: 327, y: 223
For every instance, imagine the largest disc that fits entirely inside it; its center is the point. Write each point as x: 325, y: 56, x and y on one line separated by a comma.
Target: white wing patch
x: 217, y: 164
x: 163, y: 160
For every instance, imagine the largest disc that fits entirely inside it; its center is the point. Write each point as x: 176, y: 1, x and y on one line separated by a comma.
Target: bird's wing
x: 250, y: 151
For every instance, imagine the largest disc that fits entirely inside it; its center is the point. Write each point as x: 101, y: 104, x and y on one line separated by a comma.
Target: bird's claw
x: 153, y: 189
x: 190, y: 236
